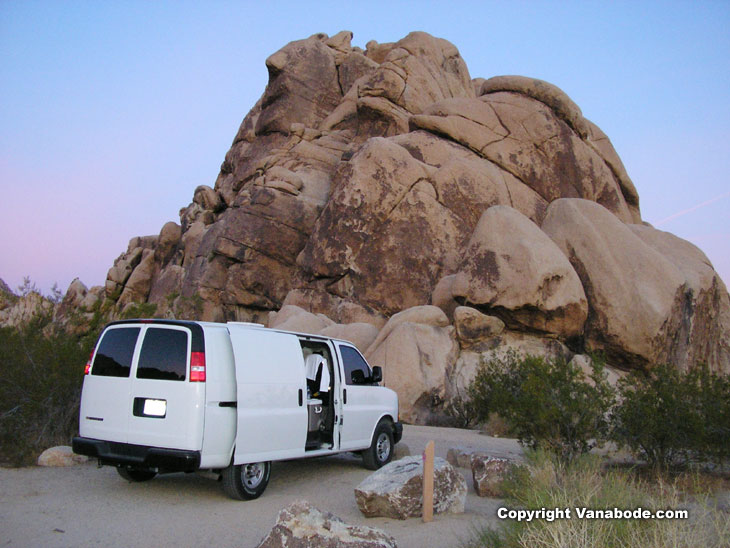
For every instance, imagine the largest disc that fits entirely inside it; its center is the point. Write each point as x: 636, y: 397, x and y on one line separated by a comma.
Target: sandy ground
x: 87, y: 506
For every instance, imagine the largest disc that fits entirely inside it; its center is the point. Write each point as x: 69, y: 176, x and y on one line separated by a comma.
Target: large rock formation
x: 366, y: 183
x: 360, y: 177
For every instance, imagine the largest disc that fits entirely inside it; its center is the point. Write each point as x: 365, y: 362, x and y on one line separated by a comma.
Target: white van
x: 180, y: 396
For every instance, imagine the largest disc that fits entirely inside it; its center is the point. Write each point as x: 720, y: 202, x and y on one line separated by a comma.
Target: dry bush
x: 550, y: 483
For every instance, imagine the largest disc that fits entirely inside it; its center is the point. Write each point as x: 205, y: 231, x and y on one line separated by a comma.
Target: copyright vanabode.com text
x: 551, y: 514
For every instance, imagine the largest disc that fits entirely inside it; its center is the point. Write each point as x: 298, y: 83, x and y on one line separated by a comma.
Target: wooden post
x: 428, y: 482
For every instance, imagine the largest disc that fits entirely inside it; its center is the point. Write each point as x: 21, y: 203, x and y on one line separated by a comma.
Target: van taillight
x: 197, y: 367
x: 87, y: 368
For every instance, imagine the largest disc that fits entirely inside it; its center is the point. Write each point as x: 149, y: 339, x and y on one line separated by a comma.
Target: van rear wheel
x: 246, y: 481
x: 380, y: 451
x: 130, y: 474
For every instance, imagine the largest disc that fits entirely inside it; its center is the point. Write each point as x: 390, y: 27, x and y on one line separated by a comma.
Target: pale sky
x: 111, y: 113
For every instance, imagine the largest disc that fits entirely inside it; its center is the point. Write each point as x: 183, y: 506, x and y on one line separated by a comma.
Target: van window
x: 352, y: 360
x: 164, y: 355
x: 114, y: 356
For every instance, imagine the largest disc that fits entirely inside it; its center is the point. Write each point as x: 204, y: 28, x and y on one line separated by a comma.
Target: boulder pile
x: 434, y: 219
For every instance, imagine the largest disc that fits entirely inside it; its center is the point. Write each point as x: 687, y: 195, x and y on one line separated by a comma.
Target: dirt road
x: 86, y: 506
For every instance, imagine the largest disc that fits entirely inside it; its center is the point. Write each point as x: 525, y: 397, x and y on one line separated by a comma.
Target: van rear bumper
x: 139, y: 456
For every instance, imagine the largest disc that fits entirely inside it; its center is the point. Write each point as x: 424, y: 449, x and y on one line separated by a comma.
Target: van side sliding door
x: 271, y: 392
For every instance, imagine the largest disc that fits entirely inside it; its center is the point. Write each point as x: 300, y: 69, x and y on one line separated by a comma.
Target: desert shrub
x: 547, y: 403
x: 42, y: 373
x: 461, y: 410
x: 713, y: 400
x: 139, y: 310
x: 185, y: 308
x: 670, y: 417
x: 550, y: 483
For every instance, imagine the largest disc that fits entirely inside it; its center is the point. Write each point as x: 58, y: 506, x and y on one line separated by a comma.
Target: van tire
x: 380, y: 451
x: 246, y: 481
x: 130, y: 474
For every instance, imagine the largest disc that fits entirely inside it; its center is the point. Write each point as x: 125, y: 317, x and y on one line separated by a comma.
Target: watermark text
x: 551, y: 514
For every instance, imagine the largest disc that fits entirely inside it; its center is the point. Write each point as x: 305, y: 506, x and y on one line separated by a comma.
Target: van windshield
x: 114, y: 356
x: 164, y: 355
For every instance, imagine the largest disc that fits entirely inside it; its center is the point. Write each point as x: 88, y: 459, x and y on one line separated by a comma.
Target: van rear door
x: 106, y: 390
x: 166, y: 408
x: 271, y: 393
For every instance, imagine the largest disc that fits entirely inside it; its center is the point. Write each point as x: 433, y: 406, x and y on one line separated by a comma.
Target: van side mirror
x: 357, y: 376
x: 377, y: 374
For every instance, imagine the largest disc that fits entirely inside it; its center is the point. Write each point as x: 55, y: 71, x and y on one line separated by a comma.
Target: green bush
x: 670, y: 417
x: 139, y: 310
x: 42, y: 373
x: 188, y: 308
x: 547, y: 403
x: 714, y: 405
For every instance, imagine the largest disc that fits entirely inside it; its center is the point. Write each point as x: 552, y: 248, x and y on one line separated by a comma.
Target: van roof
x: 198, y: 341
x: 198, y: 325
x: 312, y: 335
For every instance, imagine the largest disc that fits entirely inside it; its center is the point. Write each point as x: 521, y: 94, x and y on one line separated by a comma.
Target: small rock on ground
x: 61, y: 455
x: 301, y: 525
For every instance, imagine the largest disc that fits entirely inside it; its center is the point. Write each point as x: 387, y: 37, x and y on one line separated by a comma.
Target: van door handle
x: 344, y: 396
x: 300, y: 397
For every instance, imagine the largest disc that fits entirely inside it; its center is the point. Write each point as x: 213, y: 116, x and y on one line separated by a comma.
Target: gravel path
x: 86, y: 506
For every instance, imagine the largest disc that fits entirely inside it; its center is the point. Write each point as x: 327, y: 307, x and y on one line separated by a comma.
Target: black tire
x: 130, y: 474
x: 246, y: 481
x: 380, y: 451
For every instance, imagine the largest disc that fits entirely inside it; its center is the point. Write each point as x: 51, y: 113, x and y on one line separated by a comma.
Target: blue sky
x: 111, y: 113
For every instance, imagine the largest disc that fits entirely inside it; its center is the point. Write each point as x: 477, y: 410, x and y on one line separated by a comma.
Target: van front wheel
x: 380, y: 451
x: 246, y: 481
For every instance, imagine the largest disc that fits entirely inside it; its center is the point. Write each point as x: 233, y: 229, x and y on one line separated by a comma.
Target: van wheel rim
x: 253, y: 474
x: 382, y: 447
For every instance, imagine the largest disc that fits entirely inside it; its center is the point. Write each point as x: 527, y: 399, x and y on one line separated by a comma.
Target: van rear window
x: 164, y: 355
x: 114, y: 356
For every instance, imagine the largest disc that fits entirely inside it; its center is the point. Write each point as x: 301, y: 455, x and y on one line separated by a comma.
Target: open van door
x: 271, y: 393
